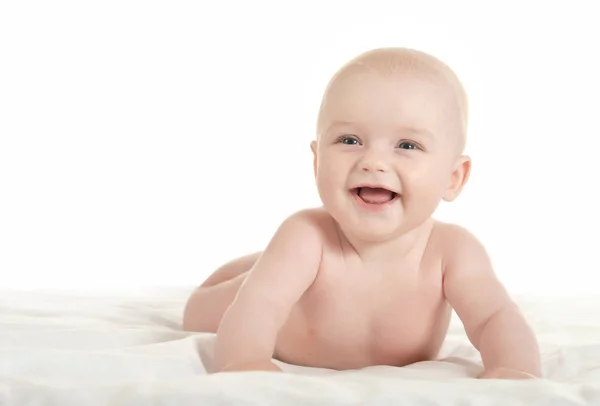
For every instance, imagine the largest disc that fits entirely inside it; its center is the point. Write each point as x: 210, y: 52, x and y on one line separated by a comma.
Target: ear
x: 458, y: 178
x: 313, y: 148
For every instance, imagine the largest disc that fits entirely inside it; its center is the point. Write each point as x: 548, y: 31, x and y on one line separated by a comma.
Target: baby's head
x: 394, y: 119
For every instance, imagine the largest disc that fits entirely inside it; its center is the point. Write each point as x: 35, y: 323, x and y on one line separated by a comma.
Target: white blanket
x: 128, y: 349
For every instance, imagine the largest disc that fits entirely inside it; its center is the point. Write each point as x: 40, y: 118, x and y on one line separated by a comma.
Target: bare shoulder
x: 290, y: 262
x: 450, y: 232
x: 313, y: 221
x: 305, y: 228
x: 458, y: 245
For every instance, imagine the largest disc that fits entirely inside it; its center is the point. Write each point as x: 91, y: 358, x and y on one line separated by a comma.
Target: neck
x: 406, y: 246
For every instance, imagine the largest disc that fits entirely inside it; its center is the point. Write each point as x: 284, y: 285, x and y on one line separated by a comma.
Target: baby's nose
x: 373, y: 164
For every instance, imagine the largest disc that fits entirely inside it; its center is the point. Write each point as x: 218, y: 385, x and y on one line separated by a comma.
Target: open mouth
x: 374, y: 195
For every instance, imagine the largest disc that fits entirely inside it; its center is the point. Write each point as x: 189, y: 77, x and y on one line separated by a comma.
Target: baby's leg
x: 206, y: 305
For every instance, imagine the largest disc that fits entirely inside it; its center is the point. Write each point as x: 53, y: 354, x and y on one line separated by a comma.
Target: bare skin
x: 347, y: 297
x: 356, y: 314
x: 370, y: 278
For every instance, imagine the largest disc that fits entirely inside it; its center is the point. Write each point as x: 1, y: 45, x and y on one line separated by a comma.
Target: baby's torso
x: 355, y: 316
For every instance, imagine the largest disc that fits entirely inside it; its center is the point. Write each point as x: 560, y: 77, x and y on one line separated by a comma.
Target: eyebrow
x: 339, y: 124
x: 420, y: 131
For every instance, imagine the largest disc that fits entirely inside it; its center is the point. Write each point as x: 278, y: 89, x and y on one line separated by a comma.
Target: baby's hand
x: 505, y: 373
x: 252, y: 366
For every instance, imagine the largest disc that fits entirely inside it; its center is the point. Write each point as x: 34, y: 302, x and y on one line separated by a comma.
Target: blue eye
x: 349, y: 141
x: 407, y: 145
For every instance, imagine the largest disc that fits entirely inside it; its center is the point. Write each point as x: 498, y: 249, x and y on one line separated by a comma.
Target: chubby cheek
x: 332, y: 169
x: 424, y: 185
x: 331, y: 180
x: 328, y: 180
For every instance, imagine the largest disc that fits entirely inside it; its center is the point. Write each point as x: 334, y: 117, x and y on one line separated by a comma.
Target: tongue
x: 375, y: 195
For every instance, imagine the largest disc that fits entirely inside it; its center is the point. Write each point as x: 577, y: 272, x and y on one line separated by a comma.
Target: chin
x: 368, y: 226
x: 373, y: 229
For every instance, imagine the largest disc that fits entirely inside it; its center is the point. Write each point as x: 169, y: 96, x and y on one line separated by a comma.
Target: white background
x: 145, y: 143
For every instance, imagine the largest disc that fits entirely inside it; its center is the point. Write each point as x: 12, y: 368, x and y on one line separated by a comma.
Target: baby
x: 370, y: 278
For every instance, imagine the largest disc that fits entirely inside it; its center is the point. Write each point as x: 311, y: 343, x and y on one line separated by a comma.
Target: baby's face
x: 387, y: 152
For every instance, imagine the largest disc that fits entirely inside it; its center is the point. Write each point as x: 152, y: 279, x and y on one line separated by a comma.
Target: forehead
x: 404, y: 101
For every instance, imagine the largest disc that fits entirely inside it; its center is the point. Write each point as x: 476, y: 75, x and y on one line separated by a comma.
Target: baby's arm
x: 247, y: 334
x: 493, y: 322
